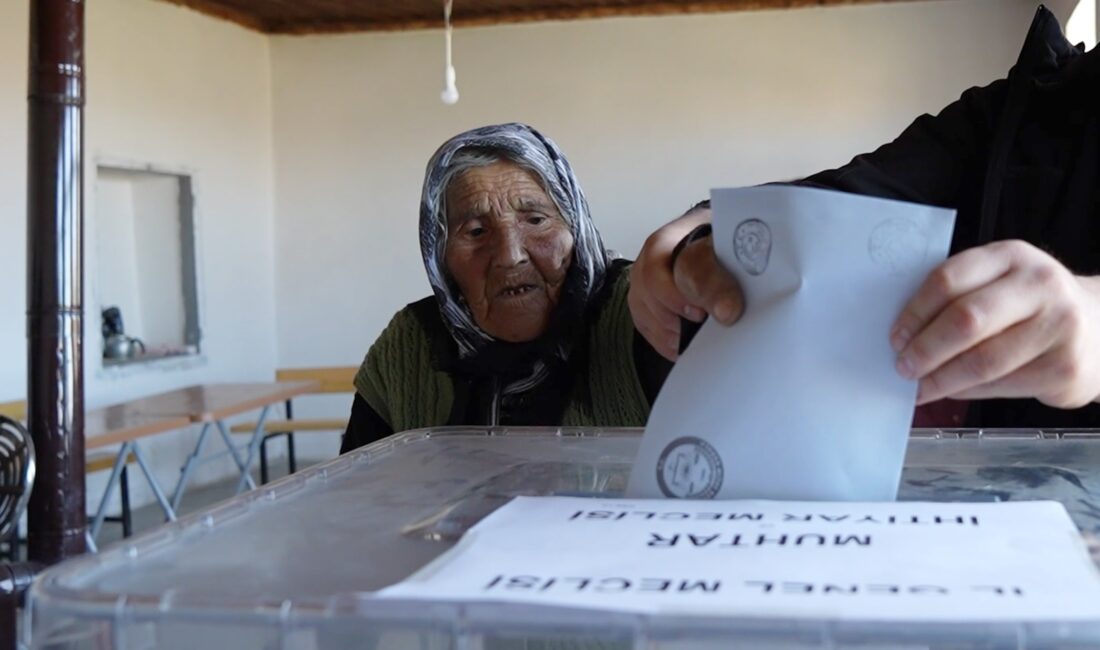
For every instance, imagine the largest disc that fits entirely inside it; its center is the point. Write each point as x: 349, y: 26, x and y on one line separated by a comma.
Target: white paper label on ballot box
x: 902, y: 562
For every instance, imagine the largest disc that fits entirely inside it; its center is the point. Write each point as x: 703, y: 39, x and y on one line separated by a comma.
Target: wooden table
x: 210, y: 405
x: 124, y: 424
x: 121, y: 423
x: 213, y: 402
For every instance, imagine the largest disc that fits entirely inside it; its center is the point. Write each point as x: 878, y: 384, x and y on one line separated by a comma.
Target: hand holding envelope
x: 801, y: 399
x: 1001, y: 320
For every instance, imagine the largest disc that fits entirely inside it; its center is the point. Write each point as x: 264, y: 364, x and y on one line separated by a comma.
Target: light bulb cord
x: 450, y: 91
x: 447, y: 27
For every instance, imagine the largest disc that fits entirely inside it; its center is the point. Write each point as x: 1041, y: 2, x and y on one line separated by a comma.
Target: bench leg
x: 263, y: 462
x: 291, y: 464
x: 124, y: 496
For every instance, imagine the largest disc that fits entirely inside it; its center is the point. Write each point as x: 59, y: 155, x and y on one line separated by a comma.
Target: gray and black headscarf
x: 526, y: 147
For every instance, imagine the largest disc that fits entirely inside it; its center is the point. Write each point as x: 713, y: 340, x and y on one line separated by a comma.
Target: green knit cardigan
x: 397, y: 378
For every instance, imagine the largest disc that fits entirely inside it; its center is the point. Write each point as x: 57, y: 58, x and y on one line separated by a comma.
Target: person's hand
x: 699, y: 286
x: 1002, y: 320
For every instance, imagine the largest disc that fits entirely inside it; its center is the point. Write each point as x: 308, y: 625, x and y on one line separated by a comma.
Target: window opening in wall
x: 146, y: 282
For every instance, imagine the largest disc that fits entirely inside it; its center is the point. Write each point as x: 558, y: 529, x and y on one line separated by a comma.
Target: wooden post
x: 55, y: 278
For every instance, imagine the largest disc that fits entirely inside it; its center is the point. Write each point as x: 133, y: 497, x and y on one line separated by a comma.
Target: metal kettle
x: 116, y: 345
x: 120, y: 346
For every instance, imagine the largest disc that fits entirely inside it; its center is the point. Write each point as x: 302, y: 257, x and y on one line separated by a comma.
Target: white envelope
x: 799, y: 400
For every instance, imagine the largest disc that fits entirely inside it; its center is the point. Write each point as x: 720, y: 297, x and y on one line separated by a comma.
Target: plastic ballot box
x: 296, y: 564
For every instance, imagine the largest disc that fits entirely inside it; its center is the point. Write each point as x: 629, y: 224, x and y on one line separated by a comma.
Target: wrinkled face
x: 508, y: 249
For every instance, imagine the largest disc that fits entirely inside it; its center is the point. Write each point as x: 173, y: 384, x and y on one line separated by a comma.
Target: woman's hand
x: 699, y: 285
x: 1002, y: 320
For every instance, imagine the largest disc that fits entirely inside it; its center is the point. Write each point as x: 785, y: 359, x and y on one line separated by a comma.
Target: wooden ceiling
x: 328, y: 16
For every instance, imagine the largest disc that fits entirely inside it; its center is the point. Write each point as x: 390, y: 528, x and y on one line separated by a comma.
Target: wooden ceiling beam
x: 468, y: 19
x: 217, y: 10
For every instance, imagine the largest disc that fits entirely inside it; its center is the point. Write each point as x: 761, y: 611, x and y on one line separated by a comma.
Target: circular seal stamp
x: 896, y: 245
x: 689, y: 468
x: 752, y: 245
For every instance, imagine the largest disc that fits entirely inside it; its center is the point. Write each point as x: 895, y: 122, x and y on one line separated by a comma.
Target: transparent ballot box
x: 291, y: 566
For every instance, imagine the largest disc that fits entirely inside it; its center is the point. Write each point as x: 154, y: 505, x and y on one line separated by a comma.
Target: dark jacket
x: 1018, y: 159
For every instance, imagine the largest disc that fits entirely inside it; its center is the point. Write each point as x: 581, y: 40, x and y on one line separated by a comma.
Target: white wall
x: 652, y: 112
x: 172, y: 88
x: 13, y: 192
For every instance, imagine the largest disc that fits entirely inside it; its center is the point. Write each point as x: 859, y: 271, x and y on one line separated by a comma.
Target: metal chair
x: 16, y: 476
x: 16, y: 481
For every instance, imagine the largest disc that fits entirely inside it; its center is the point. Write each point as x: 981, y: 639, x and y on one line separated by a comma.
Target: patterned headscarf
x: 530, y: 149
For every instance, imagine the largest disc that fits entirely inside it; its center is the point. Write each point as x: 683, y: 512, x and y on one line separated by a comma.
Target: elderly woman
x: 529, y: 323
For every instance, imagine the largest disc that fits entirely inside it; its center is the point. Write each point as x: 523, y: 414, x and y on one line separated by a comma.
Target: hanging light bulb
x: 450, y: 91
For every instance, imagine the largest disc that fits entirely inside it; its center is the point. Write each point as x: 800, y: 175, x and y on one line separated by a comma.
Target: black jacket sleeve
x: 364, y: 426
x: 938, y: 160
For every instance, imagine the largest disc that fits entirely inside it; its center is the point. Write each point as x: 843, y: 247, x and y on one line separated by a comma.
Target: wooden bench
x: 15, y: 410
x: 330, y: 379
